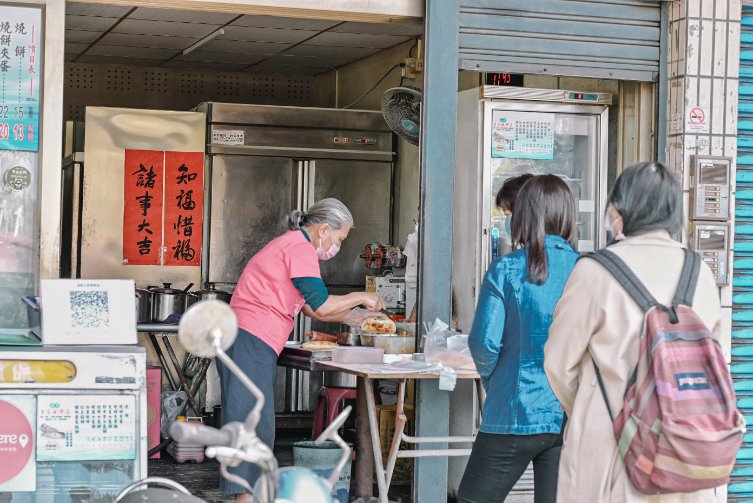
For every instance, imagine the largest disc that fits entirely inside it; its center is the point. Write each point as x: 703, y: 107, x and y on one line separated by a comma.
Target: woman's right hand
x: 372, y: 301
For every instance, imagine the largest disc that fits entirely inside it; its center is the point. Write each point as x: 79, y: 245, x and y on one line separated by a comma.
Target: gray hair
x: 327, y: 211
x: 649, y: 197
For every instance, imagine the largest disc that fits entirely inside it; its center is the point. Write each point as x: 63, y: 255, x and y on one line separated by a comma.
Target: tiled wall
x: 703, y: 60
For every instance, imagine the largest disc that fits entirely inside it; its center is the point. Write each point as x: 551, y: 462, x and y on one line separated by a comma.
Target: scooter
x: 207, y: 329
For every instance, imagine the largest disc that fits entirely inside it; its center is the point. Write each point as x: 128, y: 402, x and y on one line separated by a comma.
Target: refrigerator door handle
x: 311, y: 178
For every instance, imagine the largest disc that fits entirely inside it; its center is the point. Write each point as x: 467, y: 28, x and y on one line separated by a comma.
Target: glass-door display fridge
x: 504, y: 132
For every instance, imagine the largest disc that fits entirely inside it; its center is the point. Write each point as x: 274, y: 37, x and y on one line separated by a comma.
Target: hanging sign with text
x: 164, y: 207
x: 20, y: 69
x: 184, y: 205
x: 142, y: 215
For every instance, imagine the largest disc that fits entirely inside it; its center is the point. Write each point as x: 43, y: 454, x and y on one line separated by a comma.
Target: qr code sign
x: 90, y: 309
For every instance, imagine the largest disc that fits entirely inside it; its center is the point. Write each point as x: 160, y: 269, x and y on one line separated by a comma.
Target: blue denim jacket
x: 507, y: 340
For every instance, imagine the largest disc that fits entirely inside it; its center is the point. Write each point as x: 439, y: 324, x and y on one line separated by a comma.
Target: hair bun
x: 296, y: 219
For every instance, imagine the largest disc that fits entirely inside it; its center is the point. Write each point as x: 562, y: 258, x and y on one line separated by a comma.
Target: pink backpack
x: 679, y: 429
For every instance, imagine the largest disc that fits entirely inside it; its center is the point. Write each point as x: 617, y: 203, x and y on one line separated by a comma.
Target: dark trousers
x: 498, y: 461
x: 259, y: 362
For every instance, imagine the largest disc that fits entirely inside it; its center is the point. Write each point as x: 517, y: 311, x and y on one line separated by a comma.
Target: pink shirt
x: 265, y: 300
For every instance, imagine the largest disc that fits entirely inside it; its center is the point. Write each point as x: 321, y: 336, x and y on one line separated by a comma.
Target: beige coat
x: 596, y: 317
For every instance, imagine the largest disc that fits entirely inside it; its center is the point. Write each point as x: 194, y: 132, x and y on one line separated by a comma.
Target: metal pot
x: 168, y: 304
x: 209, y: 293
x: 143, y: 305
x: 340, y: 380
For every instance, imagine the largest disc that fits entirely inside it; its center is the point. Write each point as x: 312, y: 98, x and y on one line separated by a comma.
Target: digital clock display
x: 504, y: 79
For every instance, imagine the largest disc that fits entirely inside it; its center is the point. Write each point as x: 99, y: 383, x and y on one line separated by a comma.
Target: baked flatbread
x: 318, y: 345
x: 378, y: 326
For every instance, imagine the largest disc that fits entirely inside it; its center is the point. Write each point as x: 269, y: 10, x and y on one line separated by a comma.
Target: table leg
x: 163, y: 361
x: 363, y: 485
x: 375, y: 444
x: 181, y: 376
x: 400, y: 421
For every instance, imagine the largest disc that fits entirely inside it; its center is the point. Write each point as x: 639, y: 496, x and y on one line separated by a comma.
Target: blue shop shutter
x: 608, y: 39
x: 741, y: 486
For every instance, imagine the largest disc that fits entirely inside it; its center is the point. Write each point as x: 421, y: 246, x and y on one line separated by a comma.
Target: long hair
x: 543, y: 206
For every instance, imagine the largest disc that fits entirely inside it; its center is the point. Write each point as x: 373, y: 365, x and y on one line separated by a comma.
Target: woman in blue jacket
x: 522, y: 419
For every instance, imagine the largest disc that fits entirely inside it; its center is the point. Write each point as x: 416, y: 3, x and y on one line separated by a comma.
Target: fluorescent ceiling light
x: 204, y: 40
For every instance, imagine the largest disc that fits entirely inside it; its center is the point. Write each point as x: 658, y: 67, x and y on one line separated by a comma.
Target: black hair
x: 508, y: 192
x: 648, y: 196
x: 545, y: 205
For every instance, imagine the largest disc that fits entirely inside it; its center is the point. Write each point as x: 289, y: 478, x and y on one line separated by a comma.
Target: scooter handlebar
x: 200, y: 434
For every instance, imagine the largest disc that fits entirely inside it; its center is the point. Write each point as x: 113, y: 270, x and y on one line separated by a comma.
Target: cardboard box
x: 403, y: 473
x: 153, y: 407
x: 88, y: 311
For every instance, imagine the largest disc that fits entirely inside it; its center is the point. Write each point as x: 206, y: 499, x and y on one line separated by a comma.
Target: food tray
x: 308, y: 353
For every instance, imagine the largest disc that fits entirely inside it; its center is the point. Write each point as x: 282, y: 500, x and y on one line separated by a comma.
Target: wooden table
x: 367, y: 424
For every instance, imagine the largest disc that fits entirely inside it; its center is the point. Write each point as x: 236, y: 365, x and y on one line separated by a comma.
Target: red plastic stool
x: 331, y: 400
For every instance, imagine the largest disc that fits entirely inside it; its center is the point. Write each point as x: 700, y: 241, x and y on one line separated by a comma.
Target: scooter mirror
x: 205, y: 321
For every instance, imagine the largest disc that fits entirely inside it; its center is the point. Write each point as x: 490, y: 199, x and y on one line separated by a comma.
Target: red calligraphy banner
x: 184, y: 207
x: 142, y: 211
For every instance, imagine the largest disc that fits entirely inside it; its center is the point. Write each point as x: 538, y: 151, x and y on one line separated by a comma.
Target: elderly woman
x: 279, y: 282
x: 597, y: 322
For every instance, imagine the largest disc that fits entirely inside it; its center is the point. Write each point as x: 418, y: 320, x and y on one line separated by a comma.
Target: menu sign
x: 163, y: 207
x: 522, y: 135
x: 20, y: 69
x: 18, y: 469
x: 142, y: 218
x: 184, y: 203
x: 86, y: 428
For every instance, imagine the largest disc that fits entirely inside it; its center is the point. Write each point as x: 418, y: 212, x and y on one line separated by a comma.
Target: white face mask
x: 330, y: 252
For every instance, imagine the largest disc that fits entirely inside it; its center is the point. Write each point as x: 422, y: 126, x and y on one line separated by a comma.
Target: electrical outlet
x: 413, y: 66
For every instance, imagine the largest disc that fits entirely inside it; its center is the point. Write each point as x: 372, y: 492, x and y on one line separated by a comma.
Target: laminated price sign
x: 20, y: 69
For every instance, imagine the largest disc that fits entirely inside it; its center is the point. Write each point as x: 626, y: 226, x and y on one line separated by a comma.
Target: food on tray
x: 319, y: 345
x: 320, y: 336
x: 378, y: 326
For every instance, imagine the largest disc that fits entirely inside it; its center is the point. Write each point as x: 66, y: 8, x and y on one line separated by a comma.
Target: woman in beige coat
x: 596, y: 319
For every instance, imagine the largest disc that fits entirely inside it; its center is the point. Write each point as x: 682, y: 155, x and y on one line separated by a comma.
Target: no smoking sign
x: 697, y: 120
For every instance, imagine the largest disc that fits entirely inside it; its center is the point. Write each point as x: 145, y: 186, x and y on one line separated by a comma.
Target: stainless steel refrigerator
x: 263, y: 162
x: 508, y: 131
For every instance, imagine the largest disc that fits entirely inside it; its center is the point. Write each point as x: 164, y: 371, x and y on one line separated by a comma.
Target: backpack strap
x: 688, y: 280
x: 626, y: 277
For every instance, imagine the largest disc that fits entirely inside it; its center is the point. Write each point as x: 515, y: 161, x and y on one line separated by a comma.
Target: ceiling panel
x: 71, y: 48
x: 129, y: 52
x: 89, y: 23
x: 266, y: 34
x: 328, y: 51
x: 91, y: 9
x: 285, y: 22
x: 129, y: 40
x: 288, y: 70
x: 182, y: 16
x: 404, y: 29
x: 221, y: 57
x: 285, y: 60
x: 81, y: 37
x: 221, y: 45
x: 142, y: 27
x: 226, y: 67
x: 357, y: 40
x: 115, y: 60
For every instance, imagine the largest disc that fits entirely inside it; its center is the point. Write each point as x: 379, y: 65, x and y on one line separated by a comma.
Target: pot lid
x: 210, y: 289
x: 166, y: 289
